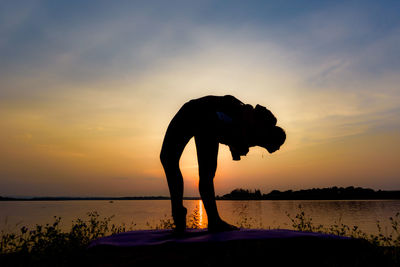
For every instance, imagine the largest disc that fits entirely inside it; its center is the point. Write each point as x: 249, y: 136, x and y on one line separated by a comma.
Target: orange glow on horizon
x: 104, y: 137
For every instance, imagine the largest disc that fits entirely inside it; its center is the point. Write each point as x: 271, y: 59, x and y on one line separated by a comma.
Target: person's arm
x: 242, y: 115
x: 243, y: 126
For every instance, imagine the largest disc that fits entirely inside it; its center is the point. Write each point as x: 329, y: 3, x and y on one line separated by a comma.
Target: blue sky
x: 35, y: 33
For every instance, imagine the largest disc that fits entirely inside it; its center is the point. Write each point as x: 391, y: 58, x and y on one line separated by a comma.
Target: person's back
x: 212, y: 120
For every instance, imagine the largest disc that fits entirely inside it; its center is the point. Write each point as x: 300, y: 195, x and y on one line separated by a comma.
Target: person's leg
x: 174, y: 143
x: 207, y: 154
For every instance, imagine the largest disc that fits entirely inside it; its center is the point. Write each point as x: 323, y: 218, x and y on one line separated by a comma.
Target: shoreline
x: 189, y: 198
x: 330, y: 193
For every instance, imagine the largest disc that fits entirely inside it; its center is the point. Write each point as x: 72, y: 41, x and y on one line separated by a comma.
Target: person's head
x: 267, y: 134
x: 273, y: 139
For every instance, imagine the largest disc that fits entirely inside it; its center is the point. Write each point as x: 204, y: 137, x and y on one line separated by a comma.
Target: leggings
x: 196, y: 120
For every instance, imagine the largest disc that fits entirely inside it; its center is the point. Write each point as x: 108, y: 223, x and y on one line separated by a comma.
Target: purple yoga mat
x: 159, y: 237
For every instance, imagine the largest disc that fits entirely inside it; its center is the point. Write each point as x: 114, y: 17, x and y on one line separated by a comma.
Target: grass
x: 48, y: 243
x: 303, y: 222
x: 388, y: 244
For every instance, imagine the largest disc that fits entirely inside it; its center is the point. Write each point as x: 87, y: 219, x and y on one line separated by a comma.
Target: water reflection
x: 197, y: 216
x: 202, y: 219
x: 254, y: 214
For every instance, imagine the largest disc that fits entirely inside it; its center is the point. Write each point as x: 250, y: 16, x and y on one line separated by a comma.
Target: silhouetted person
x: 212, y: 120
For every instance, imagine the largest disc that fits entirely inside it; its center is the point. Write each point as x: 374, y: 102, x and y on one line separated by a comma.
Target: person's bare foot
x: 180, y: 221
x: 221, y: 226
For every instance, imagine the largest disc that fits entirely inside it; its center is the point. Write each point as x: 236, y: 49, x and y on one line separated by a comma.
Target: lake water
x: 143, y: 214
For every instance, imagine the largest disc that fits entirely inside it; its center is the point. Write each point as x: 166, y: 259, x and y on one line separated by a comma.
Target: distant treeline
x: 331, y: 193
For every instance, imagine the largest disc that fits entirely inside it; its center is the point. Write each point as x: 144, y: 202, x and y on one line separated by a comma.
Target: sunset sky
x: 88, y: 88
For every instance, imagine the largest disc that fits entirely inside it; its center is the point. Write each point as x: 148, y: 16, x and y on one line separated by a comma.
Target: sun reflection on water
x: 200, y: 213
x: 202, y: 220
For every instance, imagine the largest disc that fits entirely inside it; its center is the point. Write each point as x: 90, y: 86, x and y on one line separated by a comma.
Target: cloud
x: 82, y: 45
x: 103, y: 80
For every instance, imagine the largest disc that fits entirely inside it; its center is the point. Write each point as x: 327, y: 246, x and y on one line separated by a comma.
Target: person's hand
x: 237, y: 152
x: 244, y: 151
x: 235, y: 157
